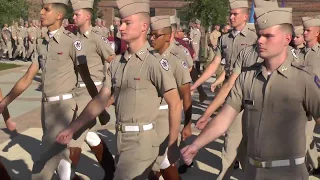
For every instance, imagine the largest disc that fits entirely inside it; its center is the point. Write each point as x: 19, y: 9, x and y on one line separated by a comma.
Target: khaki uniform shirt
x: 311, y: 57
x: 276, y: 107
x: 182, y: 53
x: 178, y: 67
x: 22, y: 33
x: 14, y: 32
x: 214, y: 36
x: 230, y: 45
x: 137, y: 81
x: 97, y: 50
x: 98, y: 30
x: 57, y: 57
x: 32, y: 33
x: 195, y: 35
x: 6, y: 34
x: 105, y: 31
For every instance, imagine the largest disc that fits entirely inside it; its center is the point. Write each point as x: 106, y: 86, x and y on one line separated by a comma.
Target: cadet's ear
x: 168, y: 37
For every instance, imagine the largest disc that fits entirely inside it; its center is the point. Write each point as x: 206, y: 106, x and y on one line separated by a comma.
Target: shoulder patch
x: 105, y: 39
x: 317, y: 81
x: 113, y: 45
x: 77, y: 45
x: 164, y: 64
x: 184, y: 64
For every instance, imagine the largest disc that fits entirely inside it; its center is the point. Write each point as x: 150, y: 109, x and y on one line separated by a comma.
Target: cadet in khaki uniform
x: 7, y: 38
x: 97, y: 50
x: 97, y: 27
x: 310, y: 55
x: 298, y: 41
x: 21, y: 35
x: 160, y: 38
x: 57, y: 55
x: 32, y: 38
x: 105, y: 30
x: 116, y: 24
x: 137, y: 77
x: 195, y: 42
x: 214, y: 36
x: 259, y: 92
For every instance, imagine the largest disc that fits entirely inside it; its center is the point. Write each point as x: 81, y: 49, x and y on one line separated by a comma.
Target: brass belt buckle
x: 258, y: 164
x: 119, y: 127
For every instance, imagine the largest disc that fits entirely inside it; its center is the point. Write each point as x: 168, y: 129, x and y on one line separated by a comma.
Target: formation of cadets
x: 148, y: 68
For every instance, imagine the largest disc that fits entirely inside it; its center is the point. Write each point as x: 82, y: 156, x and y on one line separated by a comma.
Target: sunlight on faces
x: 311, y: 33
x: 273, y: 40
x: 134, y: 26
x: 50, y: 13
x: 238, y: 16
x: 81, y: 16
x: 298, y: 40
x: 160, y: 37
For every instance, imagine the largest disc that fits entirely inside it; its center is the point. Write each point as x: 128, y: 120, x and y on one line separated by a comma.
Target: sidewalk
x: 18, y: 151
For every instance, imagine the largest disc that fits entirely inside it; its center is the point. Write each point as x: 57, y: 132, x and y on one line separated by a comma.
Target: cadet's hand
x: 188, y: 153
x: 193, y: 88
x: 173, y: 153
x: 213, y: 87
x: 202, y: 122
x: 186, y: 132
x: 65, y: 136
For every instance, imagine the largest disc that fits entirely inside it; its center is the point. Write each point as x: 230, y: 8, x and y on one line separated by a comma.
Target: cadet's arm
x: 86, y: 78
x: 22, y: 84
x: 221, y: 96
x: 110, y: 58
x: 187, y: 102
x: 220, y: 79
x: 92, y: 110
x: 209, y: 71
x: 173, y: 100
x: 216, y: 127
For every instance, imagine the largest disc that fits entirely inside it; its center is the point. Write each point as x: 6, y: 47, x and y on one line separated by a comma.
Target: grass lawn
x: 4, y: 66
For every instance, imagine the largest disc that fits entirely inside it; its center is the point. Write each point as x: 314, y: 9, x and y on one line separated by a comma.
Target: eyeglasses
x: 155, y: 36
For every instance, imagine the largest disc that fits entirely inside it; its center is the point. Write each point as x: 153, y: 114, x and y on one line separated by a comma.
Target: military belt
x: 132, y: 128
x: 58, y: 98
x: 276, y: 163
x: 95, y: 83
x: 164, y: 107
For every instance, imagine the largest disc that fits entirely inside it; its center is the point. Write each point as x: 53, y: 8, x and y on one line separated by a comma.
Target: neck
x: 274, y: 63
x: 164, y: 48
x: 300, y: 46
x: 172, y: 37
x: 137, y: 44
x: 310, y: 44
x: 85, y: 27
x: 55, y: 26
x: 240, y: 27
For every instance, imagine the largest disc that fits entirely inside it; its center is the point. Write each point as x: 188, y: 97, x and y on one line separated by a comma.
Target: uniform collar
x: 88, y: 32
x: 284, y: 69
x: 141, y: 53
x: 58, y: 34
x: 167, y: 53
x: 315, y: 48
x: 243, y: 32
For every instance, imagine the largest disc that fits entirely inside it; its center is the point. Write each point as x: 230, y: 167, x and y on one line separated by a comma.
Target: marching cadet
x: 97, y: 50
x: 117, y: 44
x: 21, y: 34
x: 137, y: 78
x: 32, y: 38
x: 195, y: 37
x: 7, y: 38
x: 161, y: 38
x: 57, y: 55
x: 272, y: 117
x: 214, y: 36
x: 14, y: 33
x: 298, y: 40
x: 97, y: 27
x: 105, y: 30
x: 116, y: 24
x: 309, y: 55
x: 228, y: 48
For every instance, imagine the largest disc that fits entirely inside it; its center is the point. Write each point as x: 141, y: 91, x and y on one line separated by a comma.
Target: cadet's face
x: 80, y: 17
x: 217, y: 28
x: 272, y: 42
x: 158, y: 39
x: 48, y: 15
x: 132, y: 27
x: 298, y: 40
x: 311, y: 33
x: 237, y: 17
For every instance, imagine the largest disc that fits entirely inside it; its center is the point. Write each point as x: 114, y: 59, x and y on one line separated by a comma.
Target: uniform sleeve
x: 188, y: 57
x: 78, y: 52
x: 161, y: 76
x: 237, y: 67
x: 182, y: 74
x: 312, y: 95
x: 105, y: 49
x: 235, y: 96
x: 218, y: 50
x: 107, y: 78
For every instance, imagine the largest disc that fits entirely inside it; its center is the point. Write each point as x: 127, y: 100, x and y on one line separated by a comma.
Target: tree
x: 208, y: 11
x: 12, y: 10
x: 95, y: 13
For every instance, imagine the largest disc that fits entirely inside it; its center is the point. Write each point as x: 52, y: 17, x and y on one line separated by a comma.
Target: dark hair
x: 60, y: 7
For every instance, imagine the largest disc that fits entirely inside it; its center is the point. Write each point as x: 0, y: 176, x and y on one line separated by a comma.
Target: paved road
x: 18, y: 151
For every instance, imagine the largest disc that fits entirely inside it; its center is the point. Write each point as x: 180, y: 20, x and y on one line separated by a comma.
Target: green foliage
x: 208, y: 11
x: 12, y: 10
x: 95, y: 14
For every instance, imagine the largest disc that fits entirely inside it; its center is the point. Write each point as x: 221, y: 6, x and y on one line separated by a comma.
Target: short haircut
x: 287, y: 28
x: 166, y: 30
x: 60, y: 7
x: 245, y: 10
x: 145, y: 17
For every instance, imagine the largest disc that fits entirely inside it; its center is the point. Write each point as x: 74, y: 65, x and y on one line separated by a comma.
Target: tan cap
x: 173, y: 20
x: 81, y: 4
x: 116, y: 19
x: 235, y: 4
x: 130, y: 7
x: 298, y: 30
x: 66, y: 2
x: 311, y: 21
x: 266, y: 3
x: 160, y: 22
x: 198, y: 21
x: 268, y: 17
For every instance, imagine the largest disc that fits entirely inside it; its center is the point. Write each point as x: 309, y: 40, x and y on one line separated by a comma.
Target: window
x: 152, y: 12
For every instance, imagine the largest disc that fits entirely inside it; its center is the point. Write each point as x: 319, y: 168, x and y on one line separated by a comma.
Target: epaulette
x: 95, y: 31
x: 307, y: 69
x: 68, y: 33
